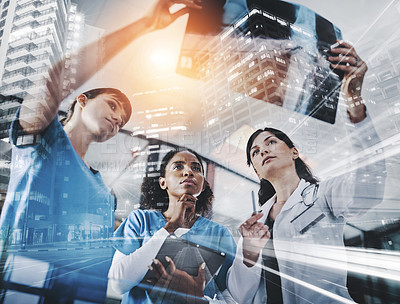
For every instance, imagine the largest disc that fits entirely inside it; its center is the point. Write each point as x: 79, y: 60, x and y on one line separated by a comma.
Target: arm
x: 127, y: 271
x: 354, y: 68
x: 243, y: 281
x: 245, y: 272
x: 37, y: 112
x: 363, y: 188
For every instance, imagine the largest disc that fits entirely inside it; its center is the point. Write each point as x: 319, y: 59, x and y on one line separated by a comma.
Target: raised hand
x: 160, y: 16
x: 179, y: 280
x: 255, y: 237
x: 184, y: 215
x: 347, y: 60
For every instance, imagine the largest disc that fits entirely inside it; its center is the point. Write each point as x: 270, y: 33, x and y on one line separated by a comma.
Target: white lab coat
x: 312, y: 264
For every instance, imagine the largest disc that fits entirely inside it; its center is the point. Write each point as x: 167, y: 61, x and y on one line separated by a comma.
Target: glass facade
x: 261, y: 69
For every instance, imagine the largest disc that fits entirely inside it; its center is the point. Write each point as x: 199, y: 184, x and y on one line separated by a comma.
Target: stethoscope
x: 309, y: 203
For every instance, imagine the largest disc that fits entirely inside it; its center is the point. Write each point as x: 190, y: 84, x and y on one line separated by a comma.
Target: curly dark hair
x: 266, y: 190
x: 153, y: 197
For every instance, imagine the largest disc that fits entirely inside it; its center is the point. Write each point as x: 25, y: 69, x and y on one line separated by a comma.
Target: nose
x: 264, y: 150
x: 188, y: 171
x: 117, y: 117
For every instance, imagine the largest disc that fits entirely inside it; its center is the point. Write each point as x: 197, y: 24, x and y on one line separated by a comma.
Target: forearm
x: 370, y: 173
x: 127, y: 271
x: 243, y: 281
x: 38, y: 111
x: 360, y: 186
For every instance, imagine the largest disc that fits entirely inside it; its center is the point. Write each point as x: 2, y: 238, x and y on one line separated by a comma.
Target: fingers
x: 194, y: 4
x: 257, y: 230
x: 344, y: 59
x: 346, y: 54
x: 201, y: 276
x: 188, y: 202
x: 172, y: 266
x: 253, y: 219
x: 158, y: 270
x: 179, y: 13
x: 187, y: 198
x: 343, y: 47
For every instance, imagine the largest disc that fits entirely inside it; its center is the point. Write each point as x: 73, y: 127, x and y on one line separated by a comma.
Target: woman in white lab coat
x: 297, y: 238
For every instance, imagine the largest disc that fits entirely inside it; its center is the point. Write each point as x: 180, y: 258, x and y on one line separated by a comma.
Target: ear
x: 82, y: 100
x: 163, y: 183
x: 204, y: 185
x: 295, y: 153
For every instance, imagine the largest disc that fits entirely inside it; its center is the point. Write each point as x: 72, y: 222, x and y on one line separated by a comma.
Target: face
x: 103, y: 116
x: 183, y: 175
x: 271, y: 156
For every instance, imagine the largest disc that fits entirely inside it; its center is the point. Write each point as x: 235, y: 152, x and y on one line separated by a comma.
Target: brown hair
x: 121, y: 97
x: 266, y: 190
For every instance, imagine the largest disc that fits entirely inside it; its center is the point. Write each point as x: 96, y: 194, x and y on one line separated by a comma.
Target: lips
x: 266, y: 159
x: 188, y: 181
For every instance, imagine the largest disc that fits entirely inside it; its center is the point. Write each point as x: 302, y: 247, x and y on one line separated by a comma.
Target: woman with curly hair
x: 178, y: 198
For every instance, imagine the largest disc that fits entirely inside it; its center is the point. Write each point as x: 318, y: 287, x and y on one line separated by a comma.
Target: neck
x: 285, y: 186
x: 79, y: 141
x: 172, y: 206
x: 189, y: 217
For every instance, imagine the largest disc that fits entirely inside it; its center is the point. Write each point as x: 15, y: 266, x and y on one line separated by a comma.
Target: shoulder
x: 143, y: 216
x: 216, y: 236
x: 53, y: 132
x: 215, y: 227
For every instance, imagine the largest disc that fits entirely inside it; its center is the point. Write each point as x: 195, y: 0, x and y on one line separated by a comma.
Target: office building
x: 35, y: 35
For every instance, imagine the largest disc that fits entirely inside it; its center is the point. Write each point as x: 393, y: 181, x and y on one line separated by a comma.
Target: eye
x: 272, y: 141
x: 255, y: 152
x: 178, y: 167
x: 112, y: 106
x: 196, y: 168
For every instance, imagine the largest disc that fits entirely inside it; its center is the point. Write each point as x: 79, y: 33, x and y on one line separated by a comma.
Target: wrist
x: 170, y: 227
x: 357, y: 111
x: 250, y: 258
x: 147, y: 24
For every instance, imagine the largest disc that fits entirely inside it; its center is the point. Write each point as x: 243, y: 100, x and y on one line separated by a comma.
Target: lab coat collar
x: 294, y: 199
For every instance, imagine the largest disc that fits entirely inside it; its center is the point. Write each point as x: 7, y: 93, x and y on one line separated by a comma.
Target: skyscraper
x: 34, y: 36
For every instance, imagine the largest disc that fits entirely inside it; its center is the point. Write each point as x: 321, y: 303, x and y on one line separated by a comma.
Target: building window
x: 385, y: 75
x: 392, y: 92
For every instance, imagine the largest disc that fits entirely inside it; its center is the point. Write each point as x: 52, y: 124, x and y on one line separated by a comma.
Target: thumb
x: 201, y: 277
x: 179, y: 13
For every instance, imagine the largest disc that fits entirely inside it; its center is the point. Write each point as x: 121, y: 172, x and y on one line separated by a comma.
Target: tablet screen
x: 187, y: 256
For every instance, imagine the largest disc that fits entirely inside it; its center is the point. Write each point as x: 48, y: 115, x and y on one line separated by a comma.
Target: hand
x: 179, y: 280
x: 354, y: 69
x: 183, y: 214
x: 160, y: 17
x: 255, y: 237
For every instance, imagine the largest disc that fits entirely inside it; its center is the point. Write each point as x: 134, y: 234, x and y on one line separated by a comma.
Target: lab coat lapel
x: 266, y: 208
x: 295, y: 198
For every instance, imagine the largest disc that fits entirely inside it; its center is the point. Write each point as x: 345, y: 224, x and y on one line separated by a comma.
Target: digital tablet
x: 187, y: 256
